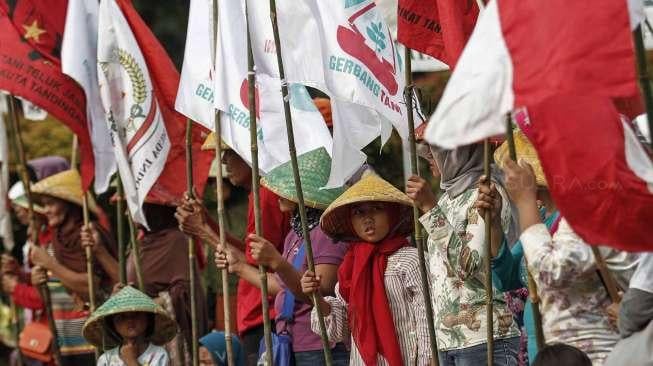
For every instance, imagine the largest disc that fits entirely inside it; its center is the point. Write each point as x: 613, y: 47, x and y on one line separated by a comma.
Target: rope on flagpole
x: 644, y: 79
x: 489, y: 288
x: 419, y: 239
x: 22, y: 168
x: 191, y: 247
x: 532, y: 286
x: 224, y: 273
x: 120, y: 227
x: 326, y: 346
x: 263, y: 277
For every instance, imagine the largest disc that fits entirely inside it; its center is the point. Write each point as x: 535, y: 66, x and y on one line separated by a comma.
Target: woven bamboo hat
x: 371, y: 188
x: 314, y: 169
x: 525, y: 150
x: 19, y: 198
x: 128, y: 300
x: 66, y: 186
x: 209, y: 143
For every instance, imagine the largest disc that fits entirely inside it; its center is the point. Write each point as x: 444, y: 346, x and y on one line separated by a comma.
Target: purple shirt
x: 325, y: 251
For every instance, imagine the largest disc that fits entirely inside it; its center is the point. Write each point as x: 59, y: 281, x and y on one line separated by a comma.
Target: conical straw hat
x: 128, y: 300
x: 372, y: 188
x: 314, y: 169
x: 66, y: 186
x: 209, y: 143
x: 525, y: 150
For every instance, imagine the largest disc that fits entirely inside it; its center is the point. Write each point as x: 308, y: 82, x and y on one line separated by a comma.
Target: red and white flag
x: 566, y: 85
x: 439, y: 28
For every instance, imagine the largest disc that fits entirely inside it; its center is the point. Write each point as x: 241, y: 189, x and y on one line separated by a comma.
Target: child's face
x: 370, y: 221
x: 130, y: 325
x: 205, y: 357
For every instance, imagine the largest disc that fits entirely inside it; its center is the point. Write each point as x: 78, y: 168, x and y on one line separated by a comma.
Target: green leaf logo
x: 375, y: 32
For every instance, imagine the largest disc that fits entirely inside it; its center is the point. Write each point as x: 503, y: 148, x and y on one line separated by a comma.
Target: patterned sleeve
x: 556, y: 261
x: 416, y: 299
x: 465, y: 245
x: 337, y: 327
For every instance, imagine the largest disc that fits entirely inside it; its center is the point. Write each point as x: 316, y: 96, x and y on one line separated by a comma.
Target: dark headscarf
x: 312, y: 220
x: 460, y: 168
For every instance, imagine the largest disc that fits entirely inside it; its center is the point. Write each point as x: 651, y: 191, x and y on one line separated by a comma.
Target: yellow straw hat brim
x: 65, y: 186
x: 209, y: 143
x: 525, y: 151
x: 335, y: 221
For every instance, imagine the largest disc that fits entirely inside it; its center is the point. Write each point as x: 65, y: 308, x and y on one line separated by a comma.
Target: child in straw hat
x: 135, y: 326
x: 379, y: 300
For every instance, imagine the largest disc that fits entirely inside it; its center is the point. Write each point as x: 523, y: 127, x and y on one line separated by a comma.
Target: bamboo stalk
x: 607, y: 278
x: 326, y: 346
x: 89, y: 265
x: 191, y: 247
x: 644, y: 79
x: 74, y: 153
x: 120, y: 227
x: 224, y: 274
x: 532, y: 286
x: 489, y: 288
x: 136, y: 252
x: 263, y: 277
x: 419, y: 239
x: 22, y: 168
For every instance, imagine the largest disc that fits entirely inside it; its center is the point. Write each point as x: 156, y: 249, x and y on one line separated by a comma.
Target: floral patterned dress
x: 573, y: 299
x: 456, y: 246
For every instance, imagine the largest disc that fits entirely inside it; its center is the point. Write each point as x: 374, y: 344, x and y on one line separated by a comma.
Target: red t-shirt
x: 274, y: 226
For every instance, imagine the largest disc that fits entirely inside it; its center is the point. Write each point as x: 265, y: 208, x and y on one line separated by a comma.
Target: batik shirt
x: 456, y: 247
x: 573, y: 301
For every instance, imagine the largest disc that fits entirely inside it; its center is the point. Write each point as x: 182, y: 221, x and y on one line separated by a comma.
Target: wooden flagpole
x: 419, y: 239
x: 136, y: 249
x: 263, y: 277
x: 326, y: 346
x: 489, y: 288
x: 22, y: 168
x: 644, y: 79
x: 191, y: 247
x: 532, y: 286
x: 120, y: 227
x: 224, y: 274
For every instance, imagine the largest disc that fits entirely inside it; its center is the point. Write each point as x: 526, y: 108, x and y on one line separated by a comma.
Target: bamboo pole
x: 191, y: 247
x: 263, y: 277
x: 120, y: 227
x: 532, y: 286
x: 419, y: 239
x: 609, y: 283
x: 224, y: 273
x: 489, y: 288
x: 644, y: 79
x: 136, y: 252
x: 326, y: 346
x: 22, y: 168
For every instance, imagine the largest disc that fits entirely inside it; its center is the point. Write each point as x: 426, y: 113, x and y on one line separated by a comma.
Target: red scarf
x: 362, y: 286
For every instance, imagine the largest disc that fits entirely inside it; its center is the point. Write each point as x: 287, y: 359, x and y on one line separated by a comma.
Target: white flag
x: 5, y: 218
x: 195, y: 94
x: 231, y: 97
x: 139, y: 136
x: 79, y: 60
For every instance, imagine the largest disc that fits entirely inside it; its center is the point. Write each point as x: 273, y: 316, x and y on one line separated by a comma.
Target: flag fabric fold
x: 231, y: 95
x: 565, y: 87
x: 78, y: 60
x: 30, y: 67
x: 439, y: 28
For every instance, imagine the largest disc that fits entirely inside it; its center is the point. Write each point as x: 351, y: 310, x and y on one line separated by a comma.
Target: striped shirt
x: 68, y: 317
x: 406, y: 299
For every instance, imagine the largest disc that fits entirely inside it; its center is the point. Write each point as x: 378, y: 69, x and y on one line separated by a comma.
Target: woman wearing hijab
x: 456, y: 247
x: 65, y: 262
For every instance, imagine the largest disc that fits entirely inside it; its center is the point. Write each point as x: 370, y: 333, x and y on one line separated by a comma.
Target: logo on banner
x: 373, y: 47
